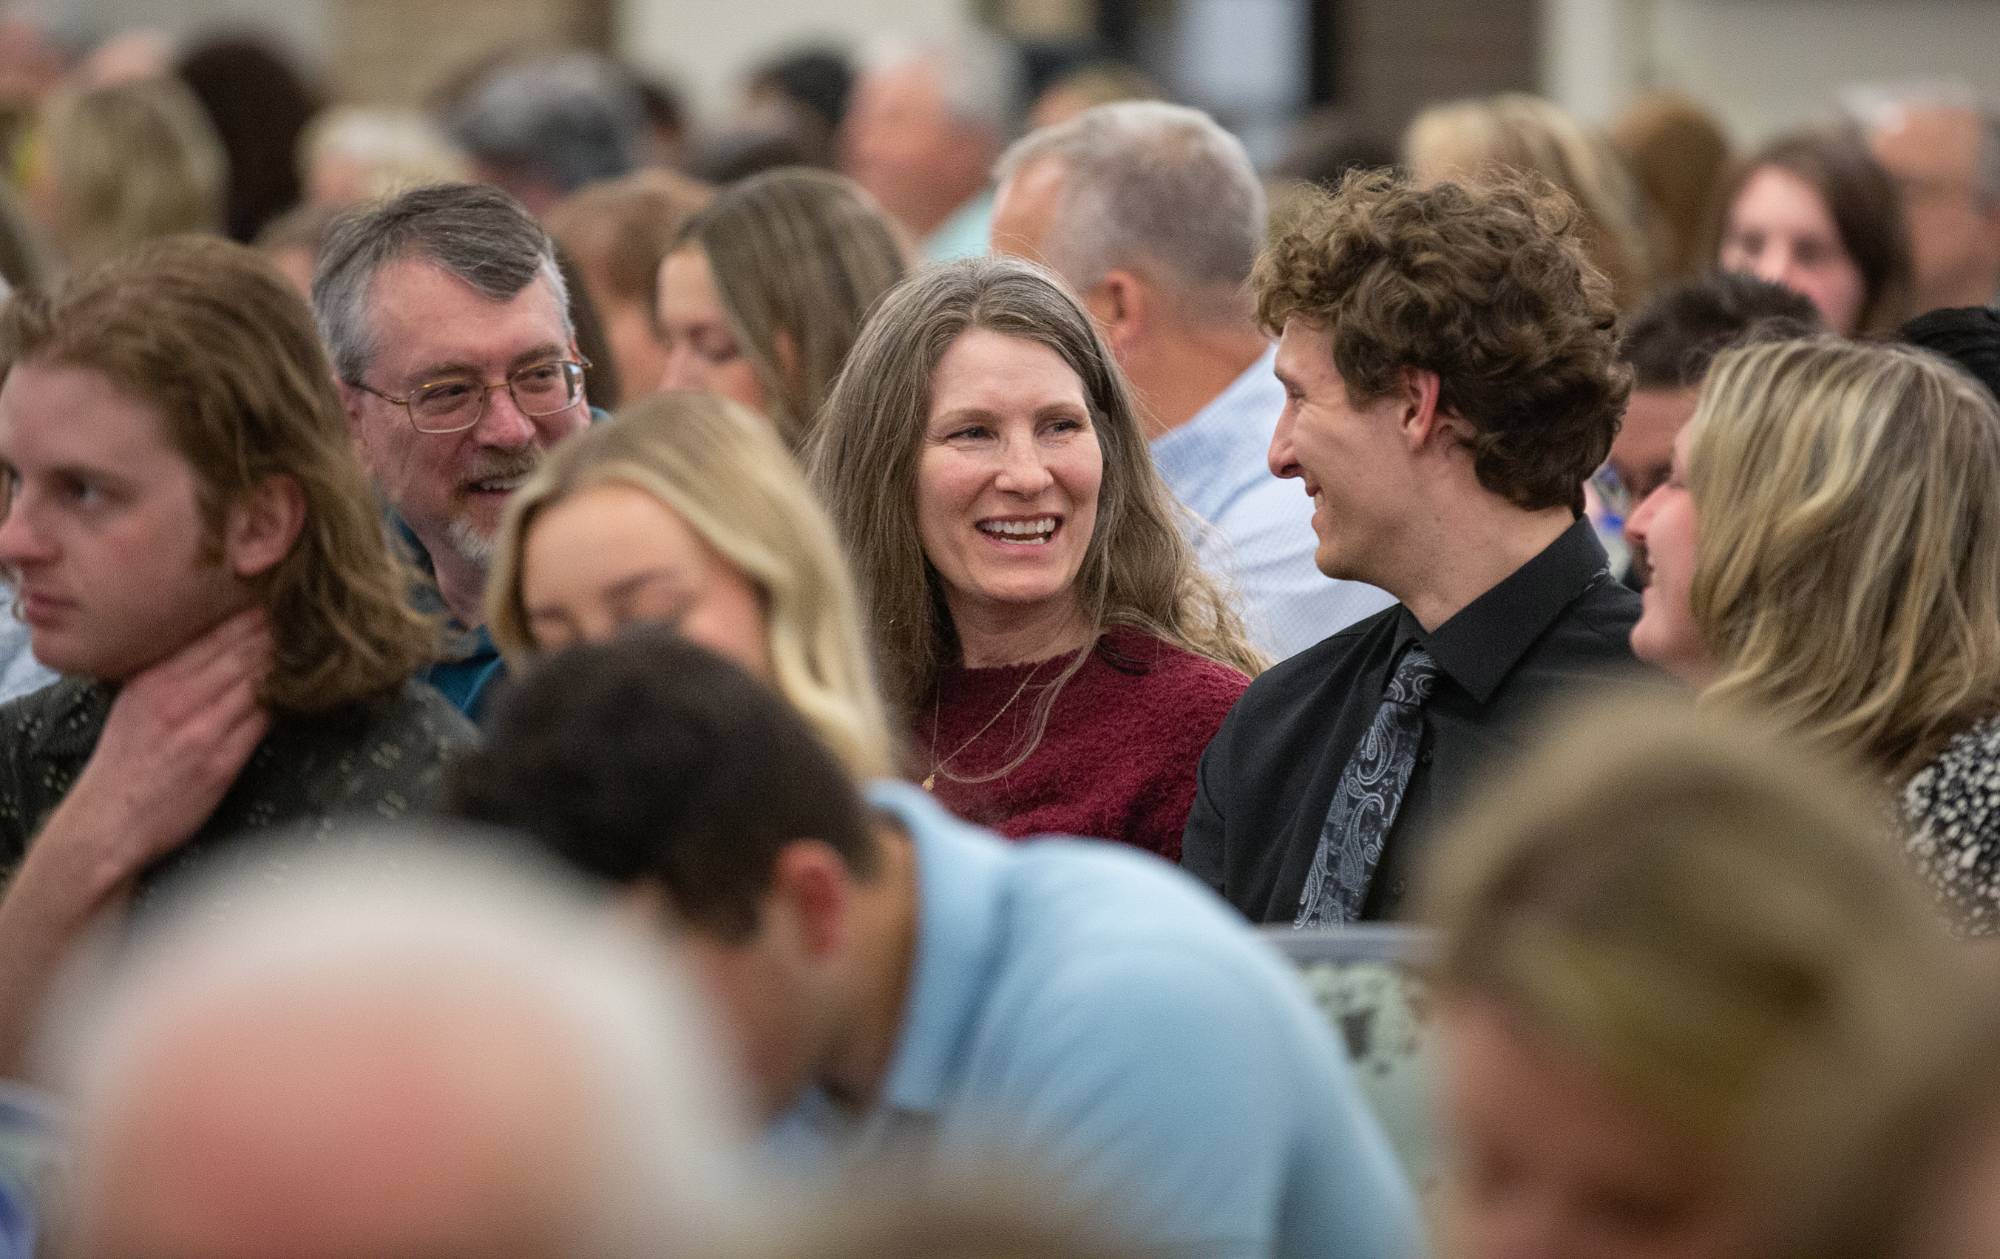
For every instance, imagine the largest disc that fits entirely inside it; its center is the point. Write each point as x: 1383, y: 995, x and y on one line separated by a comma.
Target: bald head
x: 441, y: 1058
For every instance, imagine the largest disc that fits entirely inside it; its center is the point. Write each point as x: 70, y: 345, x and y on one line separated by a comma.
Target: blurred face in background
x: 1934, y: 156
x: 1546, y: 1159
x: 1779, y: 229
x: 702, y: 351
x: 614, y: 555
x: 902, y: 143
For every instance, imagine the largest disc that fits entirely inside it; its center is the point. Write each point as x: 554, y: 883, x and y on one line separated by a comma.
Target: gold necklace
x: 937, y: 699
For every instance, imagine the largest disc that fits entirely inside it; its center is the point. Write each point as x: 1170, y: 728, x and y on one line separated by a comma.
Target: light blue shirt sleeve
x: 1178, y: 1096
x: 20, y: 672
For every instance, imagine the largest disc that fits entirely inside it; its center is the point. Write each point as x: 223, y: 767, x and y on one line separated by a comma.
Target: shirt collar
x: 960, y: 891
x: 1480, y: 645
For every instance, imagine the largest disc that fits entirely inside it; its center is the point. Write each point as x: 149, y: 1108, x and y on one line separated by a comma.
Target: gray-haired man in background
x: 1154, y: 215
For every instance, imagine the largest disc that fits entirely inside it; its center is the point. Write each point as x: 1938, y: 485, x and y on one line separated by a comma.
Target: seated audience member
x: 894, y: 975
x: 1968, y: 335
x: 1812, y: 211
x: 116, y: 166
x: 1153, y: 215
x: 1445, y: 457
x: 763, y: 293
x: 1678, y: 153
x: 1670, y: 343
x: 615, y: 234
x: 449, y: 324
x: 687, y: 510
x: 399, y: 1049
x: 922, y: 130
x: 1827, y: 553
x: 197, y: 552
x: 1657, y: 937
x: 1517, y: 134
x: 1044, y: 630
x: 1941, y: 144
x: 541, y: 127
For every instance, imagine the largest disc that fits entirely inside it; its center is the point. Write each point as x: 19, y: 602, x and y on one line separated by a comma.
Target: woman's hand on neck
x: 994, y: 634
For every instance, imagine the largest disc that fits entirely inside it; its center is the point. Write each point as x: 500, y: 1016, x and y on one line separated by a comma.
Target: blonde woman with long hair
x: 763, y: 293
x: 1054, y: 651
x: 1826, y: 550
x: 687, y: 509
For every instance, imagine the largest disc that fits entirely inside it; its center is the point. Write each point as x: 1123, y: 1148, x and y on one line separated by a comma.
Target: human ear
x: 264, y: 525
x: 1416, y: 397
x: 813, y: 882
x: 1119, y: 304
x: 350, y: 405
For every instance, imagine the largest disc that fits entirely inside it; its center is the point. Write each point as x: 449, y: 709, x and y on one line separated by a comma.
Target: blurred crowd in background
x: 951, y: 400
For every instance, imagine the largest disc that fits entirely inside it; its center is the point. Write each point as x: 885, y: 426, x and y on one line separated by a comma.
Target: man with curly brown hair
x: 1450, y: 363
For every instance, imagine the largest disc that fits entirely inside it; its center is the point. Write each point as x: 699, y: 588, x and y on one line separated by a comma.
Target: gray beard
x: 473, y: 547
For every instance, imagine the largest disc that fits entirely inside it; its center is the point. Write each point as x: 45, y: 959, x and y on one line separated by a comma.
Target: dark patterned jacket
x: 375, y: 760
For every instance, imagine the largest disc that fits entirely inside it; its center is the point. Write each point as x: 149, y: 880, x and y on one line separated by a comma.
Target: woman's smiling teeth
x: 1034, y: 532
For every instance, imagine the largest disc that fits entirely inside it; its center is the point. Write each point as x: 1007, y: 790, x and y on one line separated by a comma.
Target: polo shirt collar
x: 960, y: 890
x: 1480, y: 645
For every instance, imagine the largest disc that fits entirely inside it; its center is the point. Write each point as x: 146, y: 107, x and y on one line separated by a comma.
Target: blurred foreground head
x: 401, y: 1049
x: 1665, y: 938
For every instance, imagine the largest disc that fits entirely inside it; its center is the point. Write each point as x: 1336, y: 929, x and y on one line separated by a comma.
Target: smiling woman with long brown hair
x: 1059, y: 657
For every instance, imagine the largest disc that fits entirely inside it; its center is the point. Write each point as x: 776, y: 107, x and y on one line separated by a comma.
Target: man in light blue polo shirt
x: 901, y: 981
x: 1154, y: 215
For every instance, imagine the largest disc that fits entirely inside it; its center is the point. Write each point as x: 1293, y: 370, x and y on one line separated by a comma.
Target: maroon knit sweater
x: 1117, y: 760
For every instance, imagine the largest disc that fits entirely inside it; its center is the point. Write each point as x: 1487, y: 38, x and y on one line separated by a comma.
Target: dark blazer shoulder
x: 1607, y: 612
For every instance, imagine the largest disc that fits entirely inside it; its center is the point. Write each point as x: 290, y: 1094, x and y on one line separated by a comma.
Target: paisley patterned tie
x: 1367, y: 797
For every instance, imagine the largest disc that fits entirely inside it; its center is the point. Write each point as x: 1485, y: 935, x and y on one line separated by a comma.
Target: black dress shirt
x: 1559, y: 622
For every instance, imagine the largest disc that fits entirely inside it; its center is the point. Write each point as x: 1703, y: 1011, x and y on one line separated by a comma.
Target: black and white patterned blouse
x: 1952, y: 809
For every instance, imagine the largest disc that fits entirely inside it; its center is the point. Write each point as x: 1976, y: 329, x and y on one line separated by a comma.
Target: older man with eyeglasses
x: 448, y: 321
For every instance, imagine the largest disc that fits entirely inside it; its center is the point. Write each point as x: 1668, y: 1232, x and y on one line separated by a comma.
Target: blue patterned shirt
x: 1259, y: 538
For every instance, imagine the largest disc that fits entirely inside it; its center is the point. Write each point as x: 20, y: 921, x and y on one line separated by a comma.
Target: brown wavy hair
x: 209, y: 335
x: 1138, y: 572
x: 1491, y: 288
